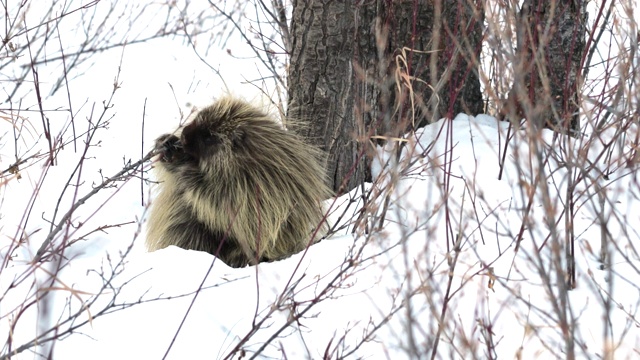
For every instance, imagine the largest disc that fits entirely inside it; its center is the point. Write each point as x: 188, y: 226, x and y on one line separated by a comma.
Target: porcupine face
x: 168, y: 148
x: 207, y: 137
x: 194, y: 144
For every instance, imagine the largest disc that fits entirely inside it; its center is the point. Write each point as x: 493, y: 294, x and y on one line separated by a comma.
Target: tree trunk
x: 321, y: 85
x: 440, y: 43
x: 365, y: 69
x: 551, y: 41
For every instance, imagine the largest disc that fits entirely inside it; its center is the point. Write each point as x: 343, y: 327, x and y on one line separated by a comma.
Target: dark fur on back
x: 235, y: 184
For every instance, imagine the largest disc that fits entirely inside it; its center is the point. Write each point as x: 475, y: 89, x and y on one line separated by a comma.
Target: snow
x: 327, y: 301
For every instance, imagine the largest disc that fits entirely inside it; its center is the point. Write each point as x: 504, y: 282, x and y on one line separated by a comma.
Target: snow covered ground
x: 447, y: 250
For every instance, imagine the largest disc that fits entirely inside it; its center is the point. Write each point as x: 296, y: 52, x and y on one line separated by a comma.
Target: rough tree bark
x: 550, y: 46
x: 439, y: 42
x: 321, y: 85
x: 361, y: 69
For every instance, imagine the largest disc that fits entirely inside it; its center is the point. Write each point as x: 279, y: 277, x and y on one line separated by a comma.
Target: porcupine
x: 234, y: 183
